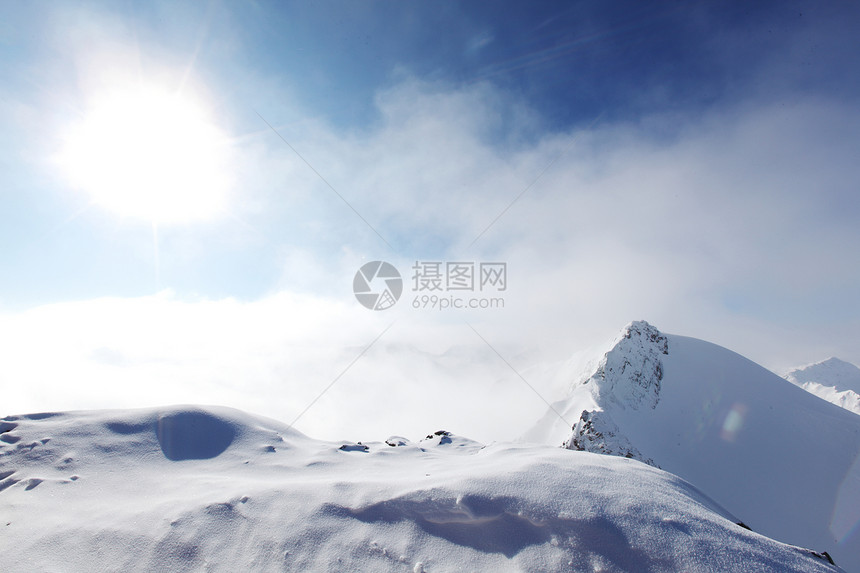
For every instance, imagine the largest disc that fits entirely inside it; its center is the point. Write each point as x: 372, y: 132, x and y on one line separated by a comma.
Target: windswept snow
x: 202, y: 488
x: 782, y: 460
x: 834, y: 380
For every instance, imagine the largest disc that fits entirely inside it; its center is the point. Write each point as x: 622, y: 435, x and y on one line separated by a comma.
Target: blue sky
x: 692, y: 164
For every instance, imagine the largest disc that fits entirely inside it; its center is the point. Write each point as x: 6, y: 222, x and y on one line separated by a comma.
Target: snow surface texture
x: 784, y: 461
x: 214, y: 489
x: 834, y: 380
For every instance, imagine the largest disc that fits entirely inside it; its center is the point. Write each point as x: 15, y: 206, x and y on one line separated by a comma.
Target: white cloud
x: 273, y: 356
x: 720, y: 225
x: 729, y: 227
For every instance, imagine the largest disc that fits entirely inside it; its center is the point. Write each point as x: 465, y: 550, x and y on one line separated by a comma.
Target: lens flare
x: 734, y: 422
x: 845, y: 520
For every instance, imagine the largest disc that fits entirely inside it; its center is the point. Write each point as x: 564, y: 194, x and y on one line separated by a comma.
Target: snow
x: 783, y: 461
x: 831, y: 372
x: 834, y: 380
x: 209, y: 488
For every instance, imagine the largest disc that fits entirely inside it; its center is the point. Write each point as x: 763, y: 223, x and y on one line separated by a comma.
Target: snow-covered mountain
x: 214, y: 489
x: 783, y: 461
x: 834, y: 380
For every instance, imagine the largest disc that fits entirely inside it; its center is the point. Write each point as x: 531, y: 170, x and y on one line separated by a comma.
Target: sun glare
x: 150, y: 154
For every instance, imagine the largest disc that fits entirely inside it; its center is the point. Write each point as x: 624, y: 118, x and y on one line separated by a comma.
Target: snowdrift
x: 203, y: 488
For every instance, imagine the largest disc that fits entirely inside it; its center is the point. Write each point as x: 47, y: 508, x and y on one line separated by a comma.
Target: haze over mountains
x: 699, y: 439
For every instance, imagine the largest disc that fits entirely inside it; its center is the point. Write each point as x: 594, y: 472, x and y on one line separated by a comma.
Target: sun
x: 149, y: 153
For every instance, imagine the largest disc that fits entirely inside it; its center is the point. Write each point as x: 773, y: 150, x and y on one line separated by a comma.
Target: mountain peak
x: 728, y: 426
x: 833, y: 380
x: 628, y: 376
x: 832, y: 372
x: 630, y: 373
x: 833, y: 361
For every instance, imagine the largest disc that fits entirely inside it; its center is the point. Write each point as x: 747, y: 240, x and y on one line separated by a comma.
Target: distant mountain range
x: 834, y: 380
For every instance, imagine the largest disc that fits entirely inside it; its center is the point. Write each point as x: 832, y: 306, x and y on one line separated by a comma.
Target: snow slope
x: 785, y: 462
x: 835, y: 380
x: 214, y: 489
